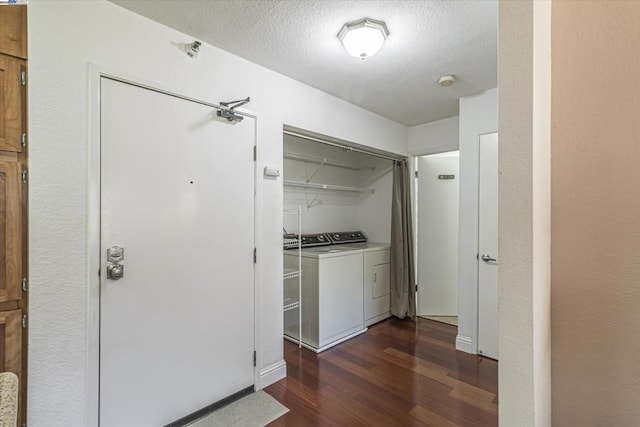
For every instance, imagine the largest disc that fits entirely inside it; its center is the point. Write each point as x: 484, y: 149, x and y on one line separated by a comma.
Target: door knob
x: 488, y: 258
x: 115, y: 271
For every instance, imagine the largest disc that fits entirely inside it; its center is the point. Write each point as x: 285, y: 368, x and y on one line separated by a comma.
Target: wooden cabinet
x: 13, y: 205
x: 12, y: 98
x: 376, y: 284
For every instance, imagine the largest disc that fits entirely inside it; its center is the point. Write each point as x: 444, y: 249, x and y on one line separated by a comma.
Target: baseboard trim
x: 336, y: 342
x: 375, y: 319
x: 273, y: 373
x: 465, y: 344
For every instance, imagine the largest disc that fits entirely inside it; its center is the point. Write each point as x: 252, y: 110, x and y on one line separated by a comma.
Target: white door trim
x: 95, y: 73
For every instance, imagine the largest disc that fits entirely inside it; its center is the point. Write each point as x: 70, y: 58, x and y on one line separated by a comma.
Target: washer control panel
x: 347, y: 237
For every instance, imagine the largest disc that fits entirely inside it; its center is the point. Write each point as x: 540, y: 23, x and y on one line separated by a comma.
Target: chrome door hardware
x: 488, y: 258
x: 115, y: 271
x: 115, y: 254
x: 229, y: 114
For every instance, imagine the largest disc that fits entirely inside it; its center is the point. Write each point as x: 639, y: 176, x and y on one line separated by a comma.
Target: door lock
x: 115, y: 256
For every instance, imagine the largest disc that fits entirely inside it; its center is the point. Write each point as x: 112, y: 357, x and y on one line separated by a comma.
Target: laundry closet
x: 337, y: 226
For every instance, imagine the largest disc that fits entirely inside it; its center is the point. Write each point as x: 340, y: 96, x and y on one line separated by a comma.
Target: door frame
x: 95, y: 73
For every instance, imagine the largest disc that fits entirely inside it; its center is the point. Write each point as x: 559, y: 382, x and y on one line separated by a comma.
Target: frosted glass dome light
x: 364, y: 37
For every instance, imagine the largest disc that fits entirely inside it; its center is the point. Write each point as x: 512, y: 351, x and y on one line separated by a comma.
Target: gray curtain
x: 403, y: 295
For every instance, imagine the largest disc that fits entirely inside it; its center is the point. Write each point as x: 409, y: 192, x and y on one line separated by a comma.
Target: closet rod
x: 344, y: 147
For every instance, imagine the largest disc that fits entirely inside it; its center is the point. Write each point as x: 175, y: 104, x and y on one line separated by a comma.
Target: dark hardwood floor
x: 400, y: 373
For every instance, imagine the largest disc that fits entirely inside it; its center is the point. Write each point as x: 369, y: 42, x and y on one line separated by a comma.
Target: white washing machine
x: 332, y: 295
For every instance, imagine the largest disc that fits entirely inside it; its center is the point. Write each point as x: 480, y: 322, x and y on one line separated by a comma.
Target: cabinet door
x: 11, y: 102
x: 376, y: 286
x: 380, y: 280
x: 10, y: 232
x: 13, y: 30
x: 11, y: 341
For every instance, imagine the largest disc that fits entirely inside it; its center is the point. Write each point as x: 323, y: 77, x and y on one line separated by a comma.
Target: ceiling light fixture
x: 364, y: 37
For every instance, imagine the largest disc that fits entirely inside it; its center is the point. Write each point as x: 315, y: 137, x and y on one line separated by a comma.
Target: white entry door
x: 177, y: 194
x: 488, y: 247
x: 438, y: 201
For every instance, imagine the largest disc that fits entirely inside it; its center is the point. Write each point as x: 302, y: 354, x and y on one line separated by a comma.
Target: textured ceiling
x: 297, y: 38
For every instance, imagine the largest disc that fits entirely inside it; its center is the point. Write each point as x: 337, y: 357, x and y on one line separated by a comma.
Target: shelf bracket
x: 311, y: 203
x: 322, y: 163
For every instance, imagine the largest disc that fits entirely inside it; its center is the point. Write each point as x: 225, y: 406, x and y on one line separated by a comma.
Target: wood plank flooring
x: 400, y: 373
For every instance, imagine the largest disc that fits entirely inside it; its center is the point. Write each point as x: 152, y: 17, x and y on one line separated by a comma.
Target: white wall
x: 434, y: 137
x: 595, y: 211
x: 374, y: 211
x: 64, y: 38
x: 524, y: 228
x: 330, y: 215
x: 478, y: 115
x: 322, y: 210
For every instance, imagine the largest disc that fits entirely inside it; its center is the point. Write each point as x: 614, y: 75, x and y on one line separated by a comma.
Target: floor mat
x: 256, y: 410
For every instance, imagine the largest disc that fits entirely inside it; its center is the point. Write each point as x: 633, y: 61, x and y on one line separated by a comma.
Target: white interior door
x: 177, y: 193
x: 488, y: 247
x: 438, y: 201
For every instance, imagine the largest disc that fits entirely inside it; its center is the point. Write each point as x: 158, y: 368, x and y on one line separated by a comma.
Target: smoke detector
x: 446, y: 81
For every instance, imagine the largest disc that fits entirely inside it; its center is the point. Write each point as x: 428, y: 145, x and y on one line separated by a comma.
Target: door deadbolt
x: 115, y: 254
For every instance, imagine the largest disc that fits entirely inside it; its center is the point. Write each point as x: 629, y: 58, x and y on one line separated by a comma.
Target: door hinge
x: 415, y: 174
x: 23, y: 78
x: 24, y: 176
x: 255, y: 153
x: 416, y: 287
x: 255, y: 358
x: 24, y: 285
x: 24, y: 139
x: 255, y: 255
x: 24, y: 320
